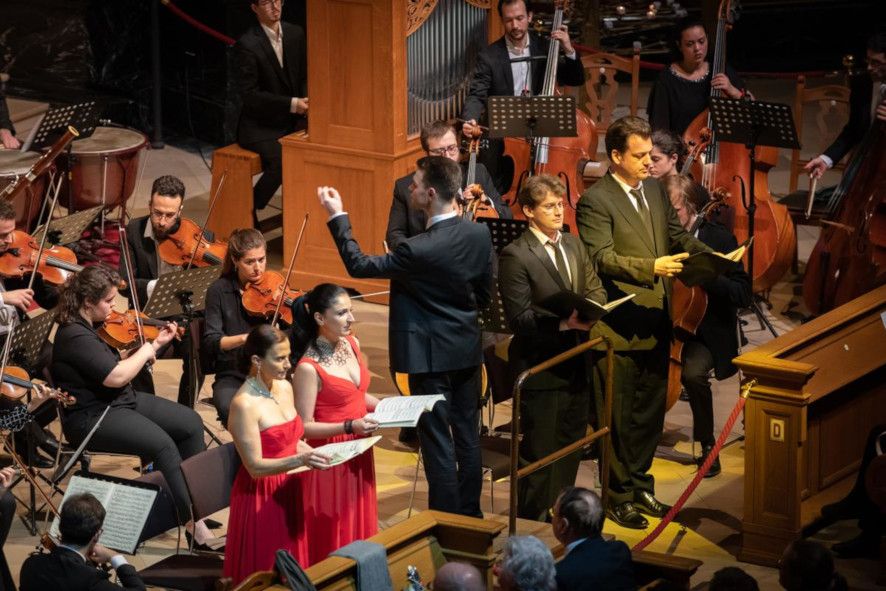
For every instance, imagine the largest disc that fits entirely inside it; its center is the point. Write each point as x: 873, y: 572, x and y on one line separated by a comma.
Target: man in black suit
x: 539, y: 264
x: 438, y: 138
x: 497, y: 75
x: 73, y: 565
x: 867, y: 102
x: 271, y: 74
x: 7, y: 130
x: 636, y: 241
x: 441, y: 278
x: 715, y: 343
x: 590, y: 562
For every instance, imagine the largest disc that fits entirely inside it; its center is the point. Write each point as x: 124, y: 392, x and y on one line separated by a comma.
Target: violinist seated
x: 144, y: 236
x: 497, y: 75
x: 228, y: 322
x: 864, y: 91
x: 438, y: 138
x: 74, y: 563
x: 8, y: 140
x: 715, y: 343
x: 87, y: 367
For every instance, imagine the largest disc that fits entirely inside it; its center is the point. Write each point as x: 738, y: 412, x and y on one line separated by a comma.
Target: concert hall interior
x: 240, y: 240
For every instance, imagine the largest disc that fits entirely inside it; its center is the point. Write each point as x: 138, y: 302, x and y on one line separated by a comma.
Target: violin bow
x: 301, y: 234
x: 221, y: 183
x: 133, y: 289
x: 45, y: 235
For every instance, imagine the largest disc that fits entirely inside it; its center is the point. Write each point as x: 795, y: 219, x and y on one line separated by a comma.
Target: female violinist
x: 667, y: 154
x: 682, y: 90
x: 136, y: 423
x: 714, y: 343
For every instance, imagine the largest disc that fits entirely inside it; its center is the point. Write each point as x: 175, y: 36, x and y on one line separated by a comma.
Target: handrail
x: 603, y: 430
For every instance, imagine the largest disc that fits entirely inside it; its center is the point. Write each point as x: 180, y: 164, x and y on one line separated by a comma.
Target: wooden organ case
x: 377, y: 71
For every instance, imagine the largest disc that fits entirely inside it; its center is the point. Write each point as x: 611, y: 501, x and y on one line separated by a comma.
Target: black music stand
x: 503, y: 232
x: 532, y: 117
x: 83, y: 117
x: 28, y: 339
x: 753, y: 123
x: 70, y: 228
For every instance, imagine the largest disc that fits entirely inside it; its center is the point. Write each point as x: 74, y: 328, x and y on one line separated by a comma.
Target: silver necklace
x: 260, y: 389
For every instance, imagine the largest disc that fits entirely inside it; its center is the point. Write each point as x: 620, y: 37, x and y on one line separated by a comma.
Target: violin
x: 56, y: 263
x: 262, y: 298
x: 121, y: 329
x: 479, y: 205
x: 188, y: 245
x: 17, y: 383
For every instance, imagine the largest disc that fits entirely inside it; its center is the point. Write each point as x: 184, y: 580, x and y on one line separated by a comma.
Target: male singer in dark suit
x: 636, y: 241
x: 7, y: 130
x: 271, y: 79
x: 442, y: 278
x: 496, y: 75
x: 867, y: 103
x: 73, y: 565
x: 590, y: 562
x: 542, y: 262
x: 438, y: 138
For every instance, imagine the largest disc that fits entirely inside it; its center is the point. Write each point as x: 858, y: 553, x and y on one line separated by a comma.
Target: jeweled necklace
x: 260, y: 389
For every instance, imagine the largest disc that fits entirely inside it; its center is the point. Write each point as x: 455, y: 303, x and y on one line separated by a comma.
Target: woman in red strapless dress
x: 331, y: 381
x: 267, y: 503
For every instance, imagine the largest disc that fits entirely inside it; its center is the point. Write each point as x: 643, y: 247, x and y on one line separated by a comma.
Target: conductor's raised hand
x: 669, y: 266
x: 330, y: 200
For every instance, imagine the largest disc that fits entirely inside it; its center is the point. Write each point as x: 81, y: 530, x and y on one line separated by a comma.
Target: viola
x: 17, y: 383
x: 188, y: 245
x: 56, y: 264
x: 559, y: 156
x: 478, y: 205
x: 262, y: 298
x: 121, y: 329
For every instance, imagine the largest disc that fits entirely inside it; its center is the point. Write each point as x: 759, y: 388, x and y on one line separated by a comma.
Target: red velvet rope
x: 197, y: 24
x: 727, y: 428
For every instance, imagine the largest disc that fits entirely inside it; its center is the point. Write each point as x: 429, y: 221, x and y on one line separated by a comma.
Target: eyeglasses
x: 159, y: 215
x: 450, y: 149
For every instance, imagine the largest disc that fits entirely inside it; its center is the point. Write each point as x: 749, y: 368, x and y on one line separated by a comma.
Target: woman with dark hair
x: 267, y: 505
x: 683, y: 88
x: 227, y: 321
x: 151, y: 427
x: 331, y: 382
x: 809, y: 566
x: 668, y: 152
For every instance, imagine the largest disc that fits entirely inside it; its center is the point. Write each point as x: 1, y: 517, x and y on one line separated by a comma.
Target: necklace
x: 326, y: 351
x: 260, y: 389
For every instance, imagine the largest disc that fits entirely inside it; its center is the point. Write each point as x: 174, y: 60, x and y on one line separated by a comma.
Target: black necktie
x: 643, y: 211
x: 561, y: 264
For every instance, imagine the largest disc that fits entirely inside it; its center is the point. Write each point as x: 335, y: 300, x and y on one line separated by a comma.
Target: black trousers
x: 271, y: 153
x: 698, y: 364
x: 7, y: 513
x: 639, y: 393
x: 157, y: 429
x: 223, y: 389
x: 550, y: 420
x: 450, y: 440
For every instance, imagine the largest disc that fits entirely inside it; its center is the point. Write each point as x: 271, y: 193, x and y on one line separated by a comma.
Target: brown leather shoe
x: 626, y: 515
x: 649, y: 505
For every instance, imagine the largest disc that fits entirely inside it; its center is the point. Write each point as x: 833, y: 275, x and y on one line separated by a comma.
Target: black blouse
x: 225, y: 316
x: 675, y: 101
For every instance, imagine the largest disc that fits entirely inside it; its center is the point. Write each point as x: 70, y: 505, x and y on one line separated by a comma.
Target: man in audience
x: 459, y: 576
x: 590, y: 561
x: 526, y: 565
x: 732, y: 578
x: 74, y: 564
x: 809, y: 566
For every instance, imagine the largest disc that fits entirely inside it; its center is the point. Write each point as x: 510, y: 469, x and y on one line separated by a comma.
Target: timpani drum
x: 27, y: 202
x: 104, y: 167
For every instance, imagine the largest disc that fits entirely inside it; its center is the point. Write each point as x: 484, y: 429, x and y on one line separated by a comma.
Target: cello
x: 564, y: 157
x: 479, y: 206
x: 727, y: 166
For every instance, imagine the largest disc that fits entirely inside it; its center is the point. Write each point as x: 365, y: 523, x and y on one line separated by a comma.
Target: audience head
x: 459, y: 576
x: 81, y: 520
x: 667, y: 152
x: 809, y: 566
x: 325, y: 310
x: 629, y: 145
x: 691, y: 42
x: 7, y: 224
x: 732, y: 578
x: 876, y: 56
x: 440, y: 138
x: 578, y: 513
x: 247, y: 255
x: 436, y: 182
x: 526, y: 565
x: 541, y: 199
x: 165, y: 203
x: 266, y: 353
x: 89, y: 294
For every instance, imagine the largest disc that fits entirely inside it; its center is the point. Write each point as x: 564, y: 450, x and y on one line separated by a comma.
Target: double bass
x: 563, y: 157
x: 727, y: 166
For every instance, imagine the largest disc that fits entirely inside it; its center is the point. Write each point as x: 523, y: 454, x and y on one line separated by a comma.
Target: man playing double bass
x: 497, y: 75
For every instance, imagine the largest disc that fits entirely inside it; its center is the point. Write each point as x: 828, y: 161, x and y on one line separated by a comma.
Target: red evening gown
x: 266, y: 512
x: 341, y: 504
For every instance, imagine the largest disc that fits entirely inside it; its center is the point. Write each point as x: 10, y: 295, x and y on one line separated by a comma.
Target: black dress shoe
x: 626, y: 515
x: 715, y: 465
x: 649, y: 505
x: 864, y: 545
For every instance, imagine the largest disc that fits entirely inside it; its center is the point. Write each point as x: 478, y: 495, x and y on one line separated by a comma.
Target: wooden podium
x: 820, y: 389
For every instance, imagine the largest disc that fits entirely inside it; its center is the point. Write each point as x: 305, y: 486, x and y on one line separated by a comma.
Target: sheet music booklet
x: 403, y: 411
x: 342, y: 452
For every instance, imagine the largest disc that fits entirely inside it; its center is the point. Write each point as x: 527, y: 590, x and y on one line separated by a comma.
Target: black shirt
x: 675, y: 101
x: 81, y: 361
x: 225, y: 316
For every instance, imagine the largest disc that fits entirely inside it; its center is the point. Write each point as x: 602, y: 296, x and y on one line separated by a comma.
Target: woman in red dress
x: 331, y: 381
x: 267, y: 503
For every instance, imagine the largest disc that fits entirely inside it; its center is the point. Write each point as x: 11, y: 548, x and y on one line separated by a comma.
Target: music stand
x: 83, y: 117
x: 28, y: 339
x: 753, y: 123
x: 70, y: 228
x: 503, y: 232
